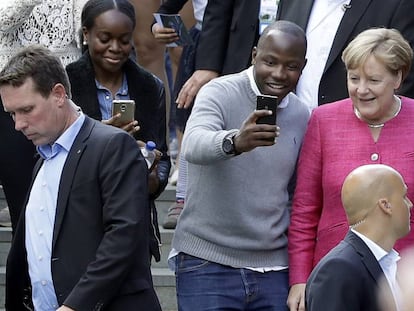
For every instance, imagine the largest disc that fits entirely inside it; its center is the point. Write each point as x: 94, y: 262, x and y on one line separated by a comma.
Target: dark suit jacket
x: 100, y: 239
x: 230, y: 30
x: 362, y: 15
x: 148, y: 93
x: 171, y: 6
x: 347, y: 278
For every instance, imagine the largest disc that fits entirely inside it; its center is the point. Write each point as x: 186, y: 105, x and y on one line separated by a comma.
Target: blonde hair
x: 388, y: 46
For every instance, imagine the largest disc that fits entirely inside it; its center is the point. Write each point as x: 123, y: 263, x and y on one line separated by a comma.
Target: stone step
x: 2, y: 286
x: 164, y: 284
x: 3, y: 203
x: 166, y: 237
x: 164, y: 201
x: 5, y: 240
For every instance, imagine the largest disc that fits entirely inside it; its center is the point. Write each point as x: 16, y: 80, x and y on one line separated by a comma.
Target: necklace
x: 358, y: 223
x: 375, y: 126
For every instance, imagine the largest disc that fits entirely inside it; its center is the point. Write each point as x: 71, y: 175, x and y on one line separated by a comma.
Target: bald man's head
x: 285, y: 27
x: 367, y: 185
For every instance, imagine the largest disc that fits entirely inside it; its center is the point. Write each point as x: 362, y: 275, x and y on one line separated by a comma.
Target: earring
x: 85, y: 42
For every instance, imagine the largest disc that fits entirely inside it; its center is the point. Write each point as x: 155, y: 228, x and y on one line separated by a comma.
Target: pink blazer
x: 335, y: 143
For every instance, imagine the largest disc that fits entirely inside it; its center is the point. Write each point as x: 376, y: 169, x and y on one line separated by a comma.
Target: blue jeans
x: 203, y: 285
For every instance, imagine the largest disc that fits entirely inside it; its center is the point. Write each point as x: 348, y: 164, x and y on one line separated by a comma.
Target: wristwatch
x: 228, y: 146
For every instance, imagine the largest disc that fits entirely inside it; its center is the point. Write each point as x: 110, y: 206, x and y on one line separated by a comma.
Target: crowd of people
x: 308, y: 212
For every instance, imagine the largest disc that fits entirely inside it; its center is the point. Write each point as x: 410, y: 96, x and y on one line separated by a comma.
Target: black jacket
x: 99, y: 251
x: 347, y: 278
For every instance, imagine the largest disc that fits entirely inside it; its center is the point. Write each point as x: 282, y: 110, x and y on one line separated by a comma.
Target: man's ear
x: 59, y: 92
x: 385, y: 206
x: 254, y: 53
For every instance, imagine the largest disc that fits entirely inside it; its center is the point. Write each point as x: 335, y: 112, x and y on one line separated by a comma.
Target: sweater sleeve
x: 307, y: 205
x: 206, y: 127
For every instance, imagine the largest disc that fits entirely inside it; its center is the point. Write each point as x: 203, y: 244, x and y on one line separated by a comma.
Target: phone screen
x: 267, y: 102
x: 127, y: 109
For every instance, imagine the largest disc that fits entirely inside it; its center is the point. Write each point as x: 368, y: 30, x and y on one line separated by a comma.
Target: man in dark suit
x: 357, y: 16
x: 230, y: 30
x: 76, y: 245
x: 378, y: 210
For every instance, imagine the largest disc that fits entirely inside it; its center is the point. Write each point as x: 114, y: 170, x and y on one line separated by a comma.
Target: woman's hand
x: 131, y: 127
x: 296, y: 298
x: 153, y: 179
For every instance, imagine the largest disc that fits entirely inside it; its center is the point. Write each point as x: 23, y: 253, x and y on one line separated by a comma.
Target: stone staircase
x: 164, y: 279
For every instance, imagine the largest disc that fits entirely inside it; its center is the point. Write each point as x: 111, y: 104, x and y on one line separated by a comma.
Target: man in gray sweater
x: 230, y: 244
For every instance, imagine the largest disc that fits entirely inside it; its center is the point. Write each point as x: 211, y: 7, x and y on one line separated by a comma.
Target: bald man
x: 378, y: 211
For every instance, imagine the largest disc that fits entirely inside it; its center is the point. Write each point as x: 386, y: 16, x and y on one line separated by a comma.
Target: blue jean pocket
x: 188, y: 263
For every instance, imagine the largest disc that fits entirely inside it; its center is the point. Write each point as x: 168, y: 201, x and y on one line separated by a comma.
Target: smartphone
x: 267, y: 102
x: 127, y: 109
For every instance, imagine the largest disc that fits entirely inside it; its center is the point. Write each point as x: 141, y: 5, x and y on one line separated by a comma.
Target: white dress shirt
x: 40, y: 217
x: 388, y: 263
x: 323, y: 24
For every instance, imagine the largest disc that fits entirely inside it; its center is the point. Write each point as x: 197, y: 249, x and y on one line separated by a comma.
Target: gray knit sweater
x: 237, y: 207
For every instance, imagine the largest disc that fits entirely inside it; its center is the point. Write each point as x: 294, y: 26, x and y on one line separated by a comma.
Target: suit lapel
x: 297, y: 11
x: 68, y: 173
x: 345, y: 29
x: 367, y: 257
x: 373, y: 267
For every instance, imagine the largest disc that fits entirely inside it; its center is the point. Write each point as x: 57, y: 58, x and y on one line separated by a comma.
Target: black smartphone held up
x: 267, y: 102
x: 127, y: 109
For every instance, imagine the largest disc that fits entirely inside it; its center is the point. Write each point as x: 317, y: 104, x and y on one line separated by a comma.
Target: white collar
x: 285, y: 101
x: 377, y: 250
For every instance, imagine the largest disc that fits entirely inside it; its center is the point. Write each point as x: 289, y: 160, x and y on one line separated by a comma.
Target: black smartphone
x: 267, y: 102
x: 127, y: 109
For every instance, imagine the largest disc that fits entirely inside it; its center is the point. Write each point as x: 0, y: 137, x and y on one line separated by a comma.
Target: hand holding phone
x: 267, y: 102
x: 126, y: 107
